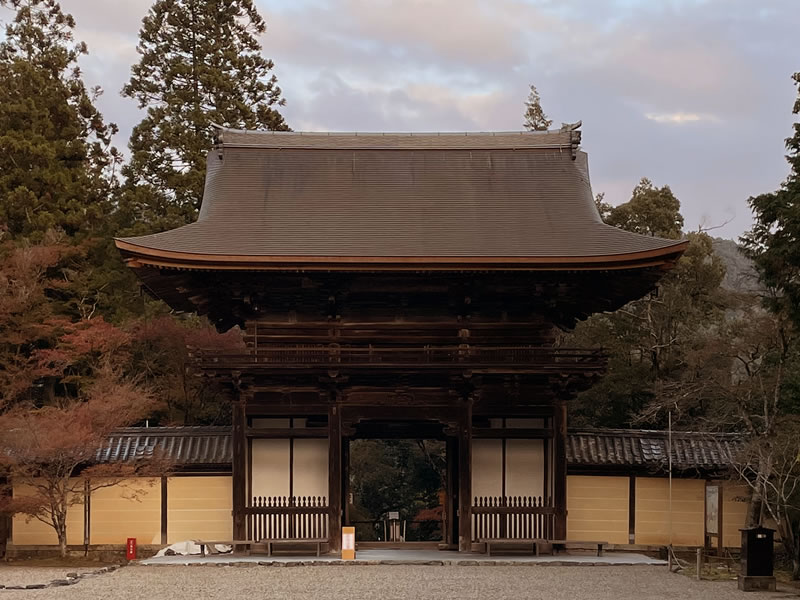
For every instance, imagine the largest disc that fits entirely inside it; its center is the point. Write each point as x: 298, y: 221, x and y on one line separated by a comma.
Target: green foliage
x: 200, y: 65
x: 649, y: 340
x: 774, y: 241
x: 535, y: 118
x: 56, y: 167
x: 650, y: 211
x: 396, y: 475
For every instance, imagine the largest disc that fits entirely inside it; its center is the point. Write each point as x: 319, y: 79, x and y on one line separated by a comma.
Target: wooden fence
x: 287, y: 517
x: 512, y: 517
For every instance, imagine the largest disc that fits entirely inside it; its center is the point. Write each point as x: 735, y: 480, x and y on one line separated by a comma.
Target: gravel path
x: 11, y: 575
x: 390, y: 582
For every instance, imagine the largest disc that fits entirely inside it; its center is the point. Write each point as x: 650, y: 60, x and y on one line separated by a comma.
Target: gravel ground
x: 390, y: 582
x: 11, y: 575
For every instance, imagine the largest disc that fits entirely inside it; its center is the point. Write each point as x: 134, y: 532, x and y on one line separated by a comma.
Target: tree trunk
x: 60, y: 525
x: 754, y: 509
x: 62, y: 541
x: 790, y: 537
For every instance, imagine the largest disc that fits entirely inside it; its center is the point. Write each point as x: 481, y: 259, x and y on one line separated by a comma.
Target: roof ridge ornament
x: 574, y: 134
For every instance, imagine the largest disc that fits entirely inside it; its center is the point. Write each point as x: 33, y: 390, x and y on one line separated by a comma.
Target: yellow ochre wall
x: 735, y: 501
x: 199, y: 508
x: 597, y: 508
x: 652, y: 511
x: 32, y: 532
x: 131, y: 509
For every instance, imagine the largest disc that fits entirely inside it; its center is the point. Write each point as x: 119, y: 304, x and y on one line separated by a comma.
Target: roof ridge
x: 521, y: 132
x: 644, y: 432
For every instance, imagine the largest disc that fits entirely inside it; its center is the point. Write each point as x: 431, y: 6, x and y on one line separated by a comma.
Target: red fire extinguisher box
x: 130, y: 549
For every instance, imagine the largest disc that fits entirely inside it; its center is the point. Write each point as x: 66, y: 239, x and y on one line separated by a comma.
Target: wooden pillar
x: 335, y: 478
x: 87, y: 516
x: 465, y: 477
x: 560, y: 469
x: 346, y: 481
x: 451, y: 525
x: 632, y: 509
x: 164, y: 524
x: 239, y: 475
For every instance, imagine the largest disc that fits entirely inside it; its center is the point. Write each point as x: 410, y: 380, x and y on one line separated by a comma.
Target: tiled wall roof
x: 595, y: 448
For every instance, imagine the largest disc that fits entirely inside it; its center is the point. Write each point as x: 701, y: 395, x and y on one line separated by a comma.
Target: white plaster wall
x: 524, y: 467
x: 311, y: 467
x: 270, y: 473
x: 487, y: 467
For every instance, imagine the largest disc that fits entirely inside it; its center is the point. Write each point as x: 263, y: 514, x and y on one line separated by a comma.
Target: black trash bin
x: 758, y: 546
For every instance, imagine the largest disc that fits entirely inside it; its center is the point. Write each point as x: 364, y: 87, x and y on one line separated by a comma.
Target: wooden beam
x: 490, y: 408
x: 465, y: 477
x: 354, y: 413
x: 530, y: 433
x: 267, y: 409
x: 284, y: 433
x: 560, y: 470
x: 335, y: 478
x: 239, y: 466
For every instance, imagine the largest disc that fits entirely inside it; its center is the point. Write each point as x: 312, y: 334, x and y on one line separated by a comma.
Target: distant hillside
x: 740, y: 275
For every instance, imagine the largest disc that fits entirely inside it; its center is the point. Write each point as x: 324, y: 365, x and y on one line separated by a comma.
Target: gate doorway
x: 397, y: 489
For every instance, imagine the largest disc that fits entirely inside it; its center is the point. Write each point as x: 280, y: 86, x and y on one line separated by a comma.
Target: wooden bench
x: 533, y: 542
x: 233, y: 543
x: 557, y: 544
x: 294, y: 542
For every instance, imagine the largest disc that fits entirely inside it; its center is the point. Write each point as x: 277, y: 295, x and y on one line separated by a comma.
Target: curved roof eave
x: 138, y: 255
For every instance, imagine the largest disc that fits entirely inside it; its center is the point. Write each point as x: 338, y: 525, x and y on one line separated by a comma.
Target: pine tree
x: 56, y: 159
x: 773, y: 241
x: 200, y: 65
x: 535, y: 119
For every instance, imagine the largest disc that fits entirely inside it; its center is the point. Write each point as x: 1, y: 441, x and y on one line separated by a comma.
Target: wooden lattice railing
x: 538, y: 358
x: 287, y: 517
x: 512, y: 517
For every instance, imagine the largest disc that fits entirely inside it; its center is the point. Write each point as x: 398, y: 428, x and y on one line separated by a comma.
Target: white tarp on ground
x: 189, y: 547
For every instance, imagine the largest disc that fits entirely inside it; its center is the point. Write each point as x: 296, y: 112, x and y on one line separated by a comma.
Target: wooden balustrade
x: 536, y: 358
x: 287, y: 517
x: 512, y: 517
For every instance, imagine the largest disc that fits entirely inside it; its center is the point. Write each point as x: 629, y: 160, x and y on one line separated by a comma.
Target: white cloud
x: 679, y: 118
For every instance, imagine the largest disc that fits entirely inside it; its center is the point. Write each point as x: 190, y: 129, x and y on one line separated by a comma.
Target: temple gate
x: 390, y: 279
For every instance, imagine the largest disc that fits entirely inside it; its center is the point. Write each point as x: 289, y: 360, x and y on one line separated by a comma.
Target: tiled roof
x: 521, y: 195
x: 650, y: 449
x: 186, y: 446
x: 593, y: 448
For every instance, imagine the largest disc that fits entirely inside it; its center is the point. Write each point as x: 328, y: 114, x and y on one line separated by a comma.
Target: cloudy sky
x: 691, y: 93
